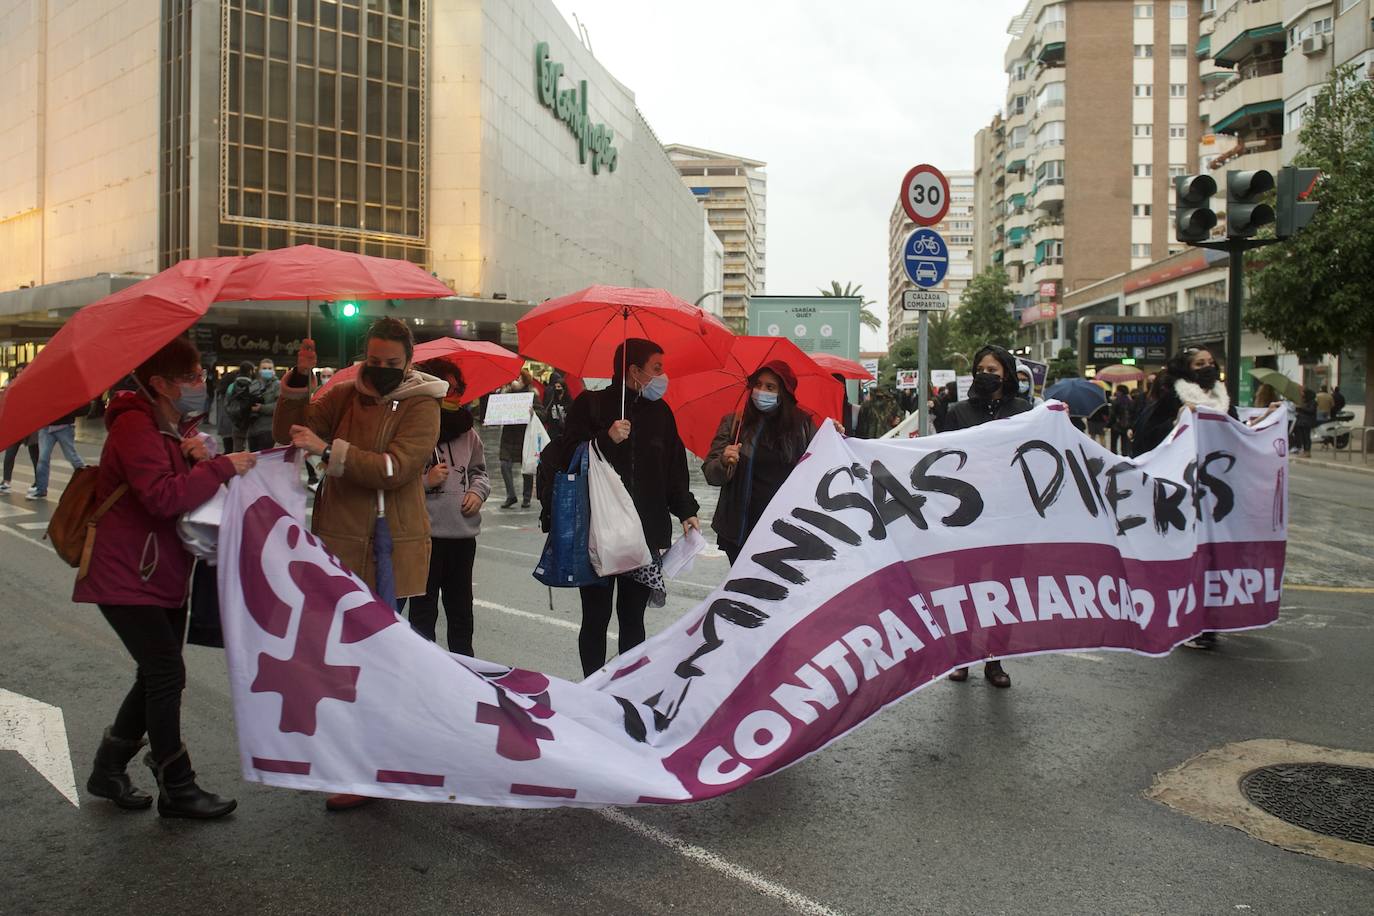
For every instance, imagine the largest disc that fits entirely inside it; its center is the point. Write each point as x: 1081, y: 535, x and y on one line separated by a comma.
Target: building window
x: 1144, y: 11
x: 1143, y: 170
x: 1178, y: 90
x: 1050, y: 173
x: 1140, y: 250
x: 1178, y: 132
x: 1347, y: 5
x: 1178, y: 50
x: 1177, y: 170
x: 1144, y: 130
x: 1140, y: 209
x: 1295, y: 118
x: 1051, y: 95
x: 1144, y: 50
x: 1144, y: 90
x: 1051, y: 134
x: 1178, y: 11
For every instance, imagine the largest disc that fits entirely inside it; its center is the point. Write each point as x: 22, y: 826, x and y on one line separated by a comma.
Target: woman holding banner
x: 993, y: 396
x: 1190, y: 379
x: 754, y: 452
x: 151, y: 471
x: 644, y: 447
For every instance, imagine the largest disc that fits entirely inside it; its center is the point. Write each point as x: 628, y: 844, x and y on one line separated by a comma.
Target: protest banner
x: 512, y: 409
x: 908, y: 379
x: 879, y: 567
x: 939, y: 378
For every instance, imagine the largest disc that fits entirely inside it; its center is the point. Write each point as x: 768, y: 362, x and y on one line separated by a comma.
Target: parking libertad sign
x: 570, y: 107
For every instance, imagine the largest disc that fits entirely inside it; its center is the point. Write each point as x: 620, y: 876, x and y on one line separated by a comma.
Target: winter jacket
x: 266, y: 393
x: 1159, y: 417
x: 379, y: 448
x: 138, y: 558
x: 652, y: 463
x: 224, y: 427
x: 744, y: 495
x: 467, y: 471
x: 1123, y: 413
x: 971, y: 412
x: 879, y: 413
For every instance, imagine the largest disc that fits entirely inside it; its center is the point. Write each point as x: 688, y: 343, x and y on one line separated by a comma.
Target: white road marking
x: 1083, y: 657
x: 32, y: 526
x: 784, y: 895
x: 530, y: 615
x: 38, y: 733
x: 8, y: 510
x: 23, y: 537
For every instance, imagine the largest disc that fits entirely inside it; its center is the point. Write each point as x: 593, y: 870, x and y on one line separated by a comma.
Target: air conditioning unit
x: 1314, y: 44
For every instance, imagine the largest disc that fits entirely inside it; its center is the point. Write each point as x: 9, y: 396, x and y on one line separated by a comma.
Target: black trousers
x: 731, y: 549
x: 526, y: 484
x: 630, y: 600
x: 1120, y: 444
x: 153, y: 636
x: 12, y: 453
x: 450, y: 576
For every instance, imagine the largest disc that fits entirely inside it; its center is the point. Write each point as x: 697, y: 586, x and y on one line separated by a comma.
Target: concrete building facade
x: 734, y: 192
x: 957, y: 229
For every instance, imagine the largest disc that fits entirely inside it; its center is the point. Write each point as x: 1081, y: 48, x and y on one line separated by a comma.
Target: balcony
x: 1243, y: 26
x: 1252, y: 149
x: 1051, y: 44
x: 1049, y: 198
x: 1244, y: 101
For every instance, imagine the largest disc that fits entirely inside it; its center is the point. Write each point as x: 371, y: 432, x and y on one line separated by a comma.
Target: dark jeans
x: 1120, y: 444
x: 12, y: 453
x: 450, y: 574
x: 630, y: 600
x: 508, y: 475
x: 1302, y: 438
x: 153, y: 636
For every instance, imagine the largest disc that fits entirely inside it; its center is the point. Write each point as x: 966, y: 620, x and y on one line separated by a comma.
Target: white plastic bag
x: 536, y: 437
x: 678, y: 560
x: 616, y: 540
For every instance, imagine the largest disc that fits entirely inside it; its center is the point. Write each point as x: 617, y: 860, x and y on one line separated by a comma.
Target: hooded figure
x: 1025, y: 385
x: 1190, y: 379
x: 993, y: 395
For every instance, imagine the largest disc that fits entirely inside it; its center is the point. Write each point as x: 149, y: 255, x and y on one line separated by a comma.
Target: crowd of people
x: 399, y: 442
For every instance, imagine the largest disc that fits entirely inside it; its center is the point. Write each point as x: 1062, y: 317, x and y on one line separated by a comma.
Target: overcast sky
x: 840, y: 99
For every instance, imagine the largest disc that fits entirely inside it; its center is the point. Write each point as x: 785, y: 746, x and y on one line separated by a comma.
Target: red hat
x: 782, y: 371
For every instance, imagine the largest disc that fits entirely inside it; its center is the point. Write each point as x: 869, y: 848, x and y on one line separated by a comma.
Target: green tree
x: 867, y: 318
x: 1064, y: 365
x: 984, y: 315
x: 1312, y: 292
x: 905, y: 352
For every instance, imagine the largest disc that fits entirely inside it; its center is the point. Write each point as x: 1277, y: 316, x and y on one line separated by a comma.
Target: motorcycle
x: 1335, y: 431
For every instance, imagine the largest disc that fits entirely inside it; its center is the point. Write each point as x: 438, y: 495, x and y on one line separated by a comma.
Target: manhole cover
x: 1335, y: 801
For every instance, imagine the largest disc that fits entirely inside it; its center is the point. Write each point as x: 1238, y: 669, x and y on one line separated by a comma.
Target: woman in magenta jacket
x: 139, y: 573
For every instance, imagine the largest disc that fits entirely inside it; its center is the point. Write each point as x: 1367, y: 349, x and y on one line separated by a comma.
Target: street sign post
x: 925, y: 300
x: 926, y: 259
x: 925, y: 195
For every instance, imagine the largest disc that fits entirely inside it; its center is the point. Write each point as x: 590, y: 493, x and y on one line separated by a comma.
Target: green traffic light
x: 349, y: 309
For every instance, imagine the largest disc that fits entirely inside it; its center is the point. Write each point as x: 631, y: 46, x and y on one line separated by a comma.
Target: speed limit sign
x: 925, y: 195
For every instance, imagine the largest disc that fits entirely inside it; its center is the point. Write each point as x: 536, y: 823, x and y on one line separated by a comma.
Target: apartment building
x: 989, y: 158
x: 1101, y: 112
x: 957, y: 229
x: 734, y: 191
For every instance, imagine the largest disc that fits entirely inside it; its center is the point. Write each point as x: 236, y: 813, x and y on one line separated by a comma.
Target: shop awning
x: 1017, y: 200
x: 1248, y: 111
x: 1204, y: 47
x: 1040, y: 252
x: 1016, y: 165
x: 1016, y: 235
x: 1052, y: 51
x: 1244, y: 43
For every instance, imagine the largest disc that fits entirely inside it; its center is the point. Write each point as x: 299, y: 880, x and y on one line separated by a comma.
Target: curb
x: 1366, y: 469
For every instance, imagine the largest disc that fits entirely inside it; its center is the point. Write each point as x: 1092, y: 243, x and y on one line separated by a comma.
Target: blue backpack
x: 565, y: 562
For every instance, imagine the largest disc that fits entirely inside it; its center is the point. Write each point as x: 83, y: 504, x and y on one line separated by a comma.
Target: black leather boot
x: 108, y: 777
x: 179, y: 796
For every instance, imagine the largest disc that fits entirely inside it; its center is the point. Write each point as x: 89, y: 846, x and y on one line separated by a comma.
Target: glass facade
x: 323, y: 126
x: 174, y: 126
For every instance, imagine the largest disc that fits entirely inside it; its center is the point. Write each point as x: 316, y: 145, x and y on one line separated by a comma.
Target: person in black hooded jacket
x: 646, y: 451
x: 993, y: 396
x: 1192, y: 379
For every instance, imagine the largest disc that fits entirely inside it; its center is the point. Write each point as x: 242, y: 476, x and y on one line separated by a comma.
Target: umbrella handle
x: 624, y: 354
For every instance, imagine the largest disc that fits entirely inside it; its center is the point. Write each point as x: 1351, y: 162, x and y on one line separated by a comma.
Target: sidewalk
x: 1342, y: 461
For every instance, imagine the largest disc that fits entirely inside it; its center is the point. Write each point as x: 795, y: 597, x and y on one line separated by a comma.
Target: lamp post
x: 704, y: 295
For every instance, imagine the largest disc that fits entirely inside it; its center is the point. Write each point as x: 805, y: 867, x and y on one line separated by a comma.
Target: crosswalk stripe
x: 32, y: 526
x: 10, y: 511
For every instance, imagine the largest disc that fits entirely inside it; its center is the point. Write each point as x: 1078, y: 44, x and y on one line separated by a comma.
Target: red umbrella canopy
x: 108, y: 339
x: 311, y: 272
x: 579, y: 333
x: 700, y: 400
x: 838, y: 365
x: 485, y: 366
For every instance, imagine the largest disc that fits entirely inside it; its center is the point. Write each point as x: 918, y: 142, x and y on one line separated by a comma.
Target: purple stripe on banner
x: 1056, y: 406
x: 628, y: 668
x: 521, y: 788
x: 655, y: 800
x: 406, y: 778
x: 295, y: 767
x: 1219, y: 418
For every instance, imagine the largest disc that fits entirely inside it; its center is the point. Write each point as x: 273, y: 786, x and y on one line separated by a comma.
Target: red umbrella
x: 107, y: 339
x: 838, y: 365
x: 485, y: 366
x: 311, y: 272
x: 701, y: 399
x: 579, y: 333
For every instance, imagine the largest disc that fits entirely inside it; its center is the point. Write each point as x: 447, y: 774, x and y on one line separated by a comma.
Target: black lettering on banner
x: 970, y: 500
x: 849, y: 500
x: 892, y: 500
x: 1224, y: 496
x: 830, y: 525
x: 1080, y: 480
x: 805, y: 546
x: 1169, y: 497
x: 1093, y: 466
x: 1041, y: 498
x: 757, y: 588
x: 1116, y: 495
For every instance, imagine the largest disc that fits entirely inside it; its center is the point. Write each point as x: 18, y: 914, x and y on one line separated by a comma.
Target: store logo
x: 570, y: 107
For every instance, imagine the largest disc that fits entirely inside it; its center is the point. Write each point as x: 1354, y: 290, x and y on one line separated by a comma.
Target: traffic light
x: 1244, y: 212
x: 1194, y: 216
x: 1295, y: 206
x: 348, y: 309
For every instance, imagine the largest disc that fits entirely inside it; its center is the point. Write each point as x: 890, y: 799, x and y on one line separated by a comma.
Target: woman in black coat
x: 993, y: 396
x: 646, y: 451
x: 1191, y: 379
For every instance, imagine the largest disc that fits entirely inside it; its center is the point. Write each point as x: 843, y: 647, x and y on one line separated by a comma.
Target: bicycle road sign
x: 925, y: 257
x: 925, y: 195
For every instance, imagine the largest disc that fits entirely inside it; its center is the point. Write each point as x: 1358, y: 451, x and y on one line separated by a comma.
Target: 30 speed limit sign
x: 925, y: 195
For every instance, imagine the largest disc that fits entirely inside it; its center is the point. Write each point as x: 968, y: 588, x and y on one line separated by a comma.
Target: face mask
x: 1207, y: 376
x: 986, y: 385
x: 383, y: 378
x: 267, y: 374
x: 190, y: 401
x: 765, y: 400
x: 655, y: 388
x: 1024, y: 388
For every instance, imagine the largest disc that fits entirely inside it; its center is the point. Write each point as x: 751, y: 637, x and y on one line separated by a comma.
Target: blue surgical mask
x: 765, y: 400
x: 190, y: 401
x: 655, y: 388
x: 1025, y: 388
x: 267, y: 374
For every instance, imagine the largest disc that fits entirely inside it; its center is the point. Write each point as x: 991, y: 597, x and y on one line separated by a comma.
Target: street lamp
x: 703, y: 296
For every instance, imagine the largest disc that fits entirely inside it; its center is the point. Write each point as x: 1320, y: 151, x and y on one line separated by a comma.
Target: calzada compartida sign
x: 879, y: 567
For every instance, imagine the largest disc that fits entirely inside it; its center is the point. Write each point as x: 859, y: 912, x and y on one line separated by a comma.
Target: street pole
x: 1236, y: 293
x: 923, y: 378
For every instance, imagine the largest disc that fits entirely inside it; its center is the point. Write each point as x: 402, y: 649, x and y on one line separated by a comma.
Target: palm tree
x: 855, y: 291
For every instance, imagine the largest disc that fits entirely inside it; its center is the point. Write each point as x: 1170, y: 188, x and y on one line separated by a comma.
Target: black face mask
x: 454, y: 423
x: 986, y: 386
x: 383, y: 378
x: 1207, y: 376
